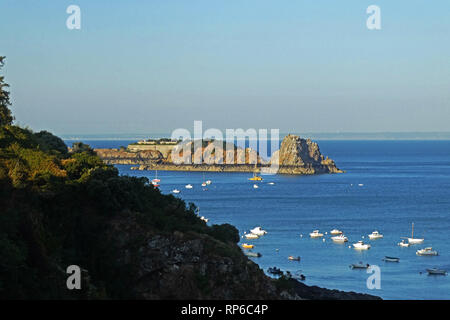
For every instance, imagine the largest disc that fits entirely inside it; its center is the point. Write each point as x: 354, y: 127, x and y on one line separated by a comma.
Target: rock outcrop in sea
x: 296, y: 156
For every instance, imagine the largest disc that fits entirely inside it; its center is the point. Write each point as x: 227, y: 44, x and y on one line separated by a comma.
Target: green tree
x: 6, y: 117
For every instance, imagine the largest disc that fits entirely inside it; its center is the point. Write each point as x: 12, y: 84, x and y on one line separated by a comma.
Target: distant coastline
x: 314, y: 136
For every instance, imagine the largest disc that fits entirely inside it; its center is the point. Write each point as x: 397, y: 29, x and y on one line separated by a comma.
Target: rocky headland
x: 296, y: 156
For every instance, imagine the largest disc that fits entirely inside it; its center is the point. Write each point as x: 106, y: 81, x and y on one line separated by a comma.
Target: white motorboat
x: 176, y: 191
x: 403, y: 243
x: 188, y: 186
x: 204, y: 219
x: 208, y: 182
x: 361, y: 246
x: 255, y: 186
x: 375, y: 235
x: 427, y: 252
x: 251, y: 236
x: 316, y: 234
x: 340, y: 238
x: 437, y: 271
x: 271, y: 183
x: 413, y: 240
x: 258, y: 231
x: 204, y: 184
x: 335, y: 232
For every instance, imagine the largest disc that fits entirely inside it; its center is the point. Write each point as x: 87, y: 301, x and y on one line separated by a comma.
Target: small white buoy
x: 301, y: 236
x: 350, y: 247
x: 326, y: 232
x: 323, y: 240
x: 362, y: 237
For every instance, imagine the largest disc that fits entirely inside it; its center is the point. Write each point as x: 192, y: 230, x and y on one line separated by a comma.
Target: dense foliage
x: 5, y: 114
x: 57, y: 208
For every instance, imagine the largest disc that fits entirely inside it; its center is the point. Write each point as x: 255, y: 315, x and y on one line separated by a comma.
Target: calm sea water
x: 403, y: 182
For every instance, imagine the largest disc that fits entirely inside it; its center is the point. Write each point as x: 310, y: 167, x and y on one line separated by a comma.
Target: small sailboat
x: 335, y: 232
x: 413, y: 240
x: 247, y: 246
x: 340, y: 238
x: 189, y: 186
x: 256, y: 176
x: 292, y: 258
x: 204, y: 184
x: 176, y: 191
x: 258, y: 231
x: 403, y: 243
x: 427, y: 252
x: 436, y: 271
x: 316, y: 234
x: 156, y: 181
x: 360, y: 245
x: 391, y: 259
x: 375, y: 235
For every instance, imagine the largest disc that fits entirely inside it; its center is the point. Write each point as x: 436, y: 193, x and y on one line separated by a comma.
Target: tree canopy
x: 6, y: 117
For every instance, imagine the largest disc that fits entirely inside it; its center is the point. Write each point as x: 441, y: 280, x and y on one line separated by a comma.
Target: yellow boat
x: 247, y: 246
x: 255, y: 177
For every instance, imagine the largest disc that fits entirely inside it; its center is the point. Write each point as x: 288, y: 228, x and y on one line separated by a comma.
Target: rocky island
x: 296, y: 156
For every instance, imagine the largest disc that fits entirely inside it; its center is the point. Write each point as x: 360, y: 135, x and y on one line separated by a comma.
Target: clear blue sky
x: 300, y: 66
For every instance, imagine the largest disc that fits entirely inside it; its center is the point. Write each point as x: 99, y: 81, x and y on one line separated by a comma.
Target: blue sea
x: 387, y: 186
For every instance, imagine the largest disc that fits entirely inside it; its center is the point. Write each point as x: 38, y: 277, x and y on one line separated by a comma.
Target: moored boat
x: 188, y: 186
x: 361, y: 246
x: 391, y: 259
x: 316, y: 234
x: 375, y: 235
x: 436, y: 271
x: 176, y: 191
x: 253, y: 254
x: 359, y: 265
x: 258, y: 231
x: 413, y: 240
x: 292, y: 258
x: 427, y: 252
x: 247, y: 246
x: 251, y: 236
x: 403, y: 243
x: 335, y: 232
x: 340, y: 238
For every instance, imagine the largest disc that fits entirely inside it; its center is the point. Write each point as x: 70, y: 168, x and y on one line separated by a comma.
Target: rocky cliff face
x: 187, y: 265
x: 301, y: 156
x: 115, y: 156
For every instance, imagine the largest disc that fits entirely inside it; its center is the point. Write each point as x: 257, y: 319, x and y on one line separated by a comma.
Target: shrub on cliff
x: 225, y: 232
